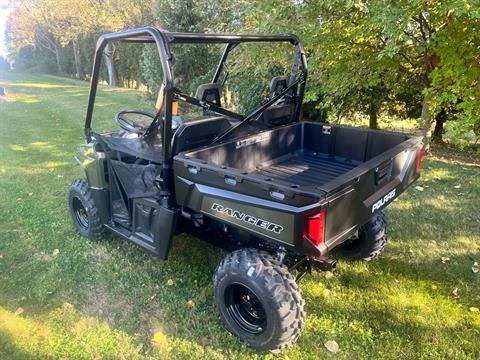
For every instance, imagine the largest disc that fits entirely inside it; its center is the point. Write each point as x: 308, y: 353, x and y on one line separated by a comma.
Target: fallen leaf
x: 55, y: 252
x: 160, y: 340
x: 456, y: 294
x: 328, y: 274
x: 436, y: 178
x: 445, y: 259
x: 203, y: 340
x: 43, y: 332
x: 332, y: 346
x: 170, y: 282
x: 419, y: 188
x: 474, y: 309
x: 67, y: 305
x: 19, y: 311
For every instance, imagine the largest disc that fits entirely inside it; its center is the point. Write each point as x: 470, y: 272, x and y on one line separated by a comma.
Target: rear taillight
x: 419, y: 159
x: 314, y: 228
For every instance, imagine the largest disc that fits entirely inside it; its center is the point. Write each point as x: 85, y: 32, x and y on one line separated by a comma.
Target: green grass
x: 110, y: 300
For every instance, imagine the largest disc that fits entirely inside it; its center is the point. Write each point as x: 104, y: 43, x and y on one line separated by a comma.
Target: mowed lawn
x: 62, y: 296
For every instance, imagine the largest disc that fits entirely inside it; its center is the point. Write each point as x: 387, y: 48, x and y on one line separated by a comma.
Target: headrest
x: 278, y: 84
x: 211, y: 92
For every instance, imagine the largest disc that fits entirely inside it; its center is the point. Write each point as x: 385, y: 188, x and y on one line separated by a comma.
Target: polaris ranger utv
x: 278, y: 193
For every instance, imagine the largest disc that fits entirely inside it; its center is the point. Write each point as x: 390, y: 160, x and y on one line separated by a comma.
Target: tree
x: 193, y: 64
x: 4, y: 64
x: 357, y: 47
x: 57, y: 24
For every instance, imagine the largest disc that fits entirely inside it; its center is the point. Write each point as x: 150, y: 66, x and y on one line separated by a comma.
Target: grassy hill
x: 62, y: 296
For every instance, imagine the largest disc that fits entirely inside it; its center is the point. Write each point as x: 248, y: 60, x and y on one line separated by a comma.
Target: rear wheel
x: 370, y: 242
x: 84, y: 211
x: 259, y: 300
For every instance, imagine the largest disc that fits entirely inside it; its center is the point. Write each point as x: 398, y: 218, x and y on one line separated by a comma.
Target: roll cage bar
x: 163, y: 39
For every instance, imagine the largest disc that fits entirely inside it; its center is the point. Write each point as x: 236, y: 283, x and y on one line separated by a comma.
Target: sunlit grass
x: 63, y: 333
x: 124, y: 306
x: 32, y: 85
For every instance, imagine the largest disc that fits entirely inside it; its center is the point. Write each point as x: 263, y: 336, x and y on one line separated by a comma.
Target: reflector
x: 314, y: 228
x: 419, y: 160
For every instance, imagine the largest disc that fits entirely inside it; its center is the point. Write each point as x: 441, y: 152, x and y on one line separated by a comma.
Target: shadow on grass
x: 9, y: 350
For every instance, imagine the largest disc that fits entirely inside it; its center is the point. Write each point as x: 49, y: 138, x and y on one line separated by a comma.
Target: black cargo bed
x: 299, y: 163
x: 305, y: 169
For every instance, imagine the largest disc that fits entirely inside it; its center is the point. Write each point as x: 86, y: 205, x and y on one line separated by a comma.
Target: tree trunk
x: 373, y: 117
x: 109, y: 53
x: 76, y: 56
x: 427, y: 124
x: 58, y: 59
x: 437, y: 136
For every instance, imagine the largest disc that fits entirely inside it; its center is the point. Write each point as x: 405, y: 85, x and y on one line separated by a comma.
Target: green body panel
x: 93, y: 163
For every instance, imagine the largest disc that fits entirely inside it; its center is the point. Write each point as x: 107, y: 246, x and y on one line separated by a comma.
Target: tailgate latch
x: 383, y: 172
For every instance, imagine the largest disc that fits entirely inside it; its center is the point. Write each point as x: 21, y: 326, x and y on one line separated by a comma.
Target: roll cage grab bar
x: 162, y: 39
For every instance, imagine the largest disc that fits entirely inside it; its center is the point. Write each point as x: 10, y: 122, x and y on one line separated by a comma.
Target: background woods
x: 407, y: 59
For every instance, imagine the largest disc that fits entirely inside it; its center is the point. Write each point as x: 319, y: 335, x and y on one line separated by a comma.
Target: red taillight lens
x: 314, y: 227
x: 419, y: 160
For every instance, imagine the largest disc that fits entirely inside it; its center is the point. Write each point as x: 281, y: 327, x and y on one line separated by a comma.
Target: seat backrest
x: 198, y: 133
x: 278, y: 84
x: 211, y: 92
x: 277, y: 115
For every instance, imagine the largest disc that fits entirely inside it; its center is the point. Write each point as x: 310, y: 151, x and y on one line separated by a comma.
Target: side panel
x: 266, y: 219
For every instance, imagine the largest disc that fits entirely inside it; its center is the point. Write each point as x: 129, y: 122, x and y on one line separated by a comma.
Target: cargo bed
x: 299, y: 160
x: 305, y: 169
x: 289, y: 172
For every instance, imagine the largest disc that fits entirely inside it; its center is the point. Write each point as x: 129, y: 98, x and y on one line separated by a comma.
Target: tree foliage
x: 369, y: 55
x: 409, y: 57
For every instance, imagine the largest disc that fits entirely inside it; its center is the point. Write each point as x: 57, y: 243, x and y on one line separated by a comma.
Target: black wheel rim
x: 245, y: 309
x: 80, y: 213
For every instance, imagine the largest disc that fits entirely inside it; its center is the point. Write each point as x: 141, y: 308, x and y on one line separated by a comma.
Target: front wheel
x: 259, y: 300
x: 84, y: 211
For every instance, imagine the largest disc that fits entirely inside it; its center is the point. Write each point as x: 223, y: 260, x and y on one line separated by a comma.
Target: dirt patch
x: 99, y: 304
x: 99, y: 253
x: 452, y: 154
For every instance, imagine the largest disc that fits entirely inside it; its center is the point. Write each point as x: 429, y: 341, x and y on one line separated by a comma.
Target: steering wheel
x: 132, y: 126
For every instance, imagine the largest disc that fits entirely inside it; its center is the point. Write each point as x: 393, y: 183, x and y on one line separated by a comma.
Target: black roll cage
x: 163, y: 39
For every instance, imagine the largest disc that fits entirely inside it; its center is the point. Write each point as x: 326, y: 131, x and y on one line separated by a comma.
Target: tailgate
x: 354, y: 198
